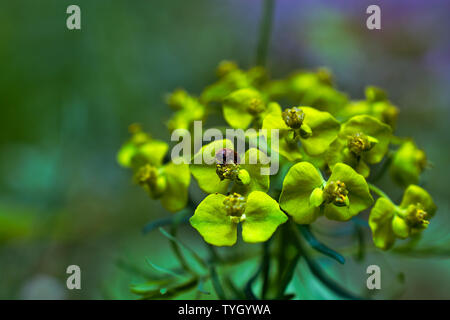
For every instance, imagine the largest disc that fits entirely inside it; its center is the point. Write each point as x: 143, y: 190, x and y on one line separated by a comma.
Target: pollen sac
x: 227, y: 156
x: 335, y: 192
x: 235, y: 206
x: 416, y: 217
x: 227, y: 171
x: 293, y: 117
x: 358, y: 143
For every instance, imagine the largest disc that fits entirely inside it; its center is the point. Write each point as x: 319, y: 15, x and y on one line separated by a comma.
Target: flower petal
x: 212, y: 222
x: 263, y: 216
x: 358, y: 193
x: 298, y: 185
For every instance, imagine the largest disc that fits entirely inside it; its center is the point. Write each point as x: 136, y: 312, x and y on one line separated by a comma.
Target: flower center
x: 151, y: 180
x: 227, y: 171
x: 227, y: 164
x: 293, y: 117
x: 147, y: 174
x: 335, y: 192
x: 235, y: 207
x: 255, y: 106
x: 416, y: 216
x: 358, y: 143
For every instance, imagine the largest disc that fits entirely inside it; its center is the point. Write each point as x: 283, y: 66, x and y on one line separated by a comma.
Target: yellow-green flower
x: 306, y: 195
x: 376, y: 105
x: 389, y: 221
x: 168, y: 182
x: 362, y: 140
x: 244, y: 107
x: 216, y: 174
x: 314, y: 129
x: 231, y: 78
x: 217, y: 216
x: 187, y: 110
x: 407, y: 164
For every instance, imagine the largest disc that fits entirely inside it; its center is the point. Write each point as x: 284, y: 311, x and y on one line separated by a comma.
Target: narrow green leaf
x: 185, y: 247
x: 318, y: 246
x: 164, y: 270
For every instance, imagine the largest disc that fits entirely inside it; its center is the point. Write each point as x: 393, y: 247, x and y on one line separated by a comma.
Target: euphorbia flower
x: 407, y: 164
x: 244, y: 107
x: 314, y: 129
x: 217, y: 216
x: 362, y: 140
x: 187, y: 110
x: 231, y: 78
x: 168, y: 182
x: 217, y: 165
x: 376, y: 105
x: 313, y: 89
x: 141, y: 149
x: 306, y: 195
x: 389, y: 221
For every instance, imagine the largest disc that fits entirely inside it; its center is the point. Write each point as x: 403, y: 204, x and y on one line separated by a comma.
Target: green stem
x: 265, y: 268
x: 315, y: 268
x: 378, y: 192
x: 383, y: 169
x: 264, y: 32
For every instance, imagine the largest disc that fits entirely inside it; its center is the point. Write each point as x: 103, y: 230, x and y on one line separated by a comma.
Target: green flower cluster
x: 168, y: 182
x: 332, y: 146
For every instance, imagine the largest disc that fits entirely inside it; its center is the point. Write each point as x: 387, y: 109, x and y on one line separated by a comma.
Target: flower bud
x: 293, y: 117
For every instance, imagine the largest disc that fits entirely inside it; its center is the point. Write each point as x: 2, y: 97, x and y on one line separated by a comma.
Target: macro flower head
x: 187, y: 110
x: 168, y: 182
x: 362, y: 140
x: 217, y: 217
x: 306, y: 195
x: 311, y: 128
x: 407, y: 164
x: 376, y: 104
x: 217, y: 167
x: 389, y: 221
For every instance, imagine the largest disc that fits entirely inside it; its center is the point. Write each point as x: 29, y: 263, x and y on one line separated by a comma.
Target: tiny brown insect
x: 226, y: 155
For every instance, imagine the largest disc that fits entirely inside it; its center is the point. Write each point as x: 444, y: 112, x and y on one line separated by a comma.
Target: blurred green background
x: 67, y: 98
